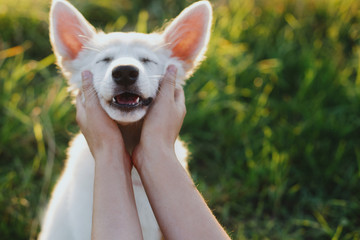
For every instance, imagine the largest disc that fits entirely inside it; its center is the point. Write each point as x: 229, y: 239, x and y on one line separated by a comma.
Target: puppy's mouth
x: 129, y: 101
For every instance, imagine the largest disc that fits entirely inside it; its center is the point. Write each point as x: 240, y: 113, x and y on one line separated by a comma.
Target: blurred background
x: 273, y: 119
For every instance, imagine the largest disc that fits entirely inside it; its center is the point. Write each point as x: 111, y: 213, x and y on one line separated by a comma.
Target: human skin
x: 114, y: 210
x: 179, y: 208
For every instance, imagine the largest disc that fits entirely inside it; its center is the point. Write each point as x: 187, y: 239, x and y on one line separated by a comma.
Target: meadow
x: 273, y: 113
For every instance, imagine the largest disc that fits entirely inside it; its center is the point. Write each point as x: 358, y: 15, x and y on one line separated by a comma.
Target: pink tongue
x: 127, y: 98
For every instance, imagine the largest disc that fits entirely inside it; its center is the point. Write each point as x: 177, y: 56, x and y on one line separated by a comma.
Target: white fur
x: 69, y: 213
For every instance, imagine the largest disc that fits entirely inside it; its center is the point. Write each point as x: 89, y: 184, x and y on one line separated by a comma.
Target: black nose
x: 125, y: 75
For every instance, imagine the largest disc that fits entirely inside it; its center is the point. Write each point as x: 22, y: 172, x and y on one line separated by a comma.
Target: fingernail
x: 172, y: 69
x: 86, y: 75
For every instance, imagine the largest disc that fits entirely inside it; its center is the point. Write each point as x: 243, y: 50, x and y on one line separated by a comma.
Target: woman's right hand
x: 101, y: 132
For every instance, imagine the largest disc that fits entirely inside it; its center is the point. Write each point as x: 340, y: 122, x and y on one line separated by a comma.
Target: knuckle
x: 86, y: 88
x: 184, y: 113
x: 182, y: 110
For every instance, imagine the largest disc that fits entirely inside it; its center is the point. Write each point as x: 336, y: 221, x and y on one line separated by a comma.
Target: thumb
x: 87, y: 85
x: 167, y: 86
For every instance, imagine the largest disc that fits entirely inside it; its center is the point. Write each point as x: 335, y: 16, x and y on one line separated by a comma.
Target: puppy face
x: 128, y: 67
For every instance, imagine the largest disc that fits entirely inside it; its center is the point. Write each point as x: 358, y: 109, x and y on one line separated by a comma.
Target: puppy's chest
x: 131, y: 134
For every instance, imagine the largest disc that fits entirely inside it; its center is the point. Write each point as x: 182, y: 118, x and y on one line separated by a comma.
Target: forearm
x: 114, y: 211
x: 178, y: 206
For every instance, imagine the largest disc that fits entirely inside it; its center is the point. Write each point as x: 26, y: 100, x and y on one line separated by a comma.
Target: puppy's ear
x: 188, y: 35
x: 69, y: 30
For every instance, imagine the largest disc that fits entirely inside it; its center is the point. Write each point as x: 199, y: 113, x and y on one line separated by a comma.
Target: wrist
x: 112, y: 157
x: 149, y: 153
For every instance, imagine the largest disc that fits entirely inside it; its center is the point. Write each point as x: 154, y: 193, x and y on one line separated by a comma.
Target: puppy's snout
x: 125, y: 75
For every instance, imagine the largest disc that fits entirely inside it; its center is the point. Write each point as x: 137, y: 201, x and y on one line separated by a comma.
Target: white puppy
x: 127, y: 69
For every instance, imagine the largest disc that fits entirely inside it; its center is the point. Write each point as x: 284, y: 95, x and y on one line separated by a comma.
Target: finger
x: 179, y: 96
x: 80, y: 109
x: 91, y: 100
x: 167, y: 86
x: 180, y: 100
x: 79, y: 101
x: 87, y: 85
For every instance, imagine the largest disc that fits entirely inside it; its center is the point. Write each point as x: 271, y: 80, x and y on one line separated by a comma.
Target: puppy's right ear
x: 69, y: 30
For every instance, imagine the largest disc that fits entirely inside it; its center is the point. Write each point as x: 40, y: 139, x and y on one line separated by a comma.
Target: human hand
x: 163, y: 122
x: 101, y: 132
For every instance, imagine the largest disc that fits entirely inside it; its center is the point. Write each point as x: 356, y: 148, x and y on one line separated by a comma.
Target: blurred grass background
x: 273, y: 119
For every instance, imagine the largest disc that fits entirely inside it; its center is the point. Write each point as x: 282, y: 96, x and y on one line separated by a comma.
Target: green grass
x: 273, y: 117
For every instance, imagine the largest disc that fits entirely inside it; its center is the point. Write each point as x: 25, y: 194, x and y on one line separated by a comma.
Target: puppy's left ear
x: 188, y: 35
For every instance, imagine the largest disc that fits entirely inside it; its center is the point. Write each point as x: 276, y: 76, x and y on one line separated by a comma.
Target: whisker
x: 156, y: 76
x: 91, y: 48
x: 161, y: 46
x: 165, y: 81
x: 87, y: 41
x: 92, y: 93
x: 84, y: 37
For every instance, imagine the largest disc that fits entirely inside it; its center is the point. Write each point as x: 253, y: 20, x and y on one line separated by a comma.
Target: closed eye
x: 147, y: 60
x: 105, y: 60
